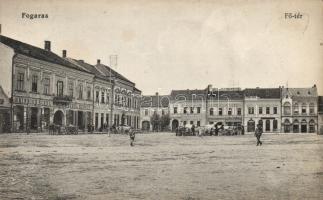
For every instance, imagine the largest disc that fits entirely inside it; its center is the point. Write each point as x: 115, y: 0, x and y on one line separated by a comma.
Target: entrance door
x: 80, y: 120
x: 146, y: 125
x: 58, y: 117
x: 304, y: 126
x: 33, y: 118
x: 251, y: 126
x: 174, y: 124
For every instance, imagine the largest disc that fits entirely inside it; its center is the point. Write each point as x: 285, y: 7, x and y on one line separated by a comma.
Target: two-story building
x: 187, y: 107
x: 262, y: 106
x: 150, y: 105
x: 4, y: 112
x: 44, y: 87
x: 125, y: 98
x: 224, y: 106
x: 299, y: 110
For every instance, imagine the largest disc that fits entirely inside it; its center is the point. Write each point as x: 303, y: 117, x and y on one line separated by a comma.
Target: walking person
x: 132, y: 136
x: 258, y: 134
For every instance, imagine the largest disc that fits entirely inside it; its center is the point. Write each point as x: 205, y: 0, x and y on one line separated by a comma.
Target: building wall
x: 188, y: 117
x: 6, y: 55
x: 28, y: 103
x: 258, y: 104
x: 235, y: 107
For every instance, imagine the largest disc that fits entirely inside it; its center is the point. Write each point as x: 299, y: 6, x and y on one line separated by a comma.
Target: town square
x: 179, y: 100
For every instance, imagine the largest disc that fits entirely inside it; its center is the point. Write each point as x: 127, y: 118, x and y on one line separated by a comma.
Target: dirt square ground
x: 160, y: 166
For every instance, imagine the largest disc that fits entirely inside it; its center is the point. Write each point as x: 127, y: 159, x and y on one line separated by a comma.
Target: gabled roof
x: 320, y: 104
x: 225, y: 95
x: 155, y: 101
x: 108, y: 71
x: 188, y: 94
x: 263, y: 93
x: 36, y: 52
x: 300, y: 92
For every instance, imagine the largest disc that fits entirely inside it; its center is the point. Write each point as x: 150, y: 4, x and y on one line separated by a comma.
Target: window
x: 267, y: 125
x: 251, y: 110
x: 60, y: 88
x: 163, y: 112
x: 220, y: 111
x: 312, y: 108
x: 97, y: 93
x: 211, y: 111
x: 70, y: 89
x: 46, y: 85
x: 146, y: 112
x: 102, y: 97
x: 191, y: 122
x: 275, y: 110
x: 34, y: 82
x: 175, y: 110
x: 260, y: 110
x: 296, y: 110
x: 267, y: 110
x: 20, y: 81
x: 287, y: 108
x: 88, y: 93
x: 192, y: 110
x: 239, y: 111
x: 198, y: 123
x: 185, y: 110
x: 303, y: 108
x: 198, y: 110
x: 80, y: 91
x: 184, y: 122
x: 230, y: 111
x: 275, y: 125
x: 108, y: 98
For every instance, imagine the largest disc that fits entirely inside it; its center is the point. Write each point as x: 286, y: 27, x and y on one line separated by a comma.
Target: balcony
x: 62, y: 100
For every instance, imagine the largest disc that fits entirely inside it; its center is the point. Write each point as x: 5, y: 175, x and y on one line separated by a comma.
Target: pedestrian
x: 132, y: 136
x: 258, y: 134
x: 193, y: 129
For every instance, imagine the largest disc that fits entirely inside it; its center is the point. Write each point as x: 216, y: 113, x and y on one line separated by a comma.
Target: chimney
x: 47, y: 45
x: 98, y: 61
x: 64, y: 54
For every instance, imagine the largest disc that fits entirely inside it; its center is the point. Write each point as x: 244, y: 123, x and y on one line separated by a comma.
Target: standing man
x: 132, y: 136
x: 258, y: 134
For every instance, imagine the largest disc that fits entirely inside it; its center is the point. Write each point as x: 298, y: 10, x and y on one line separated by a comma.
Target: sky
x: 165, y: 45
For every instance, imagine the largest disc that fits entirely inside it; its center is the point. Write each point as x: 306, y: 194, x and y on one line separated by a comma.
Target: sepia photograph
x: 161, y: 99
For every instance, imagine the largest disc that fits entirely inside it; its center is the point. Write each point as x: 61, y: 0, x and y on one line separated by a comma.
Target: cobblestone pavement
x: 160, y: 166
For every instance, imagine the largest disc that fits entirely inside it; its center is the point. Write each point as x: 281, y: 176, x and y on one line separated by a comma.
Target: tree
x: 155, y: 121
x: 164, y: 122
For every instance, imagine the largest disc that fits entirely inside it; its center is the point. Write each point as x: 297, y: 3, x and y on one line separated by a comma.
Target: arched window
x: 287, y: 126
x: 296, y: 126
x: 251, y: 126
x: 211, y: 111
x: 287, y: 108
x: 304, y: 126
x: 296, y: 109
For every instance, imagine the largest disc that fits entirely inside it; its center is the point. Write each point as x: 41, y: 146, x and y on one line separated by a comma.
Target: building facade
x: 45, y: 88
x: 187, y: 107
x: 299, y: 110
x: 225, y: 106
x: 262, y: 106
x: 150, y: 105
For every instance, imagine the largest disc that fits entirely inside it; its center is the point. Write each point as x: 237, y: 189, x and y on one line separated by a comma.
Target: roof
x: 36, y: 52
x: 320, y: 104
x: 90, y: 68
x: 155, y: 101
x: 300, y: 92
x: 187, y: 94
x: 108, y: 71
x: 263, y: 93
